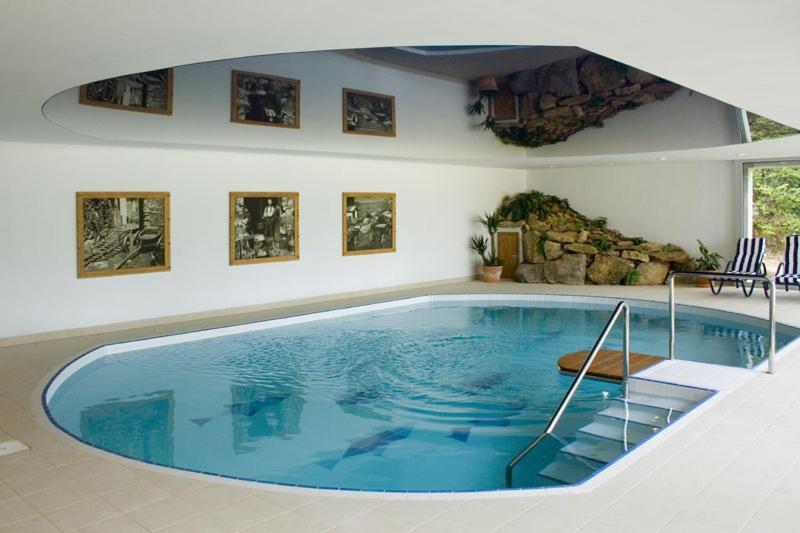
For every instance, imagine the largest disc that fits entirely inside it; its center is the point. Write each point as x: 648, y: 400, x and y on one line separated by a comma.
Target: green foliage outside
x: 776, y: 206
x: 762, y: 128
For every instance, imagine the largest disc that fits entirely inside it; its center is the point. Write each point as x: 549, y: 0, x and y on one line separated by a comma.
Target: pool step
x: 640, y: 414
x: 613, y: 431
x: 596, y: 449
x: 616, y: 429
x: 568, y: 469
x: 663, y: 402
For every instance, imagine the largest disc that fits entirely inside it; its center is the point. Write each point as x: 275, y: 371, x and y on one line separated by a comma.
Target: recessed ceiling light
x: 662, y: 158
x: 741, y: 154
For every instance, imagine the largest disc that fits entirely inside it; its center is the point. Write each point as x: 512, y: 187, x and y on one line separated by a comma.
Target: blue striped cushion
x: 749, y: 255
x: 790, y: 262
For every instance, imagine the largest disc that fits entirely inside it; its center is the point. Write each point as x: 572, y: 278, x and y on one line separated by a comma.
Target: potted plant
x: 707, y: 262
x: 491, y: 268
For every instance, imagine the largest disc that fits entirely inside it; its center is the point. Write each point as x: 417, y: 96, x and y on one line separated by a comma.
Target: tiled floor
x: 735, y: 466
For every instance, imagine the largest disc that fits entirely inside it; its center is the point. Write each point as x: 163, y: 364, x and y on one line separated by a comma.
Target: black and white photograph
x: 369, y: 222
x: 265, y: 100
x: 264, y: 227
x: 122, y: 233
x: 148, y: 92
x: 368, y: 113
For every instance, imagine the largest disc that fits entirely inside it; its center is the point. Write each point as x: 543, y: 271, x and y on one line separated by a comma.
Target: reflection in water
x: 751, y: 347
x: 139, y: 426
x: 258, y: 412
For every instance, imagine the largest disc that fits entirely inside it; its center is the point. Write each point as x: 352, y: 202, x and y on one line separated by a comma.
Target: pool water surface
x: 425, y: 397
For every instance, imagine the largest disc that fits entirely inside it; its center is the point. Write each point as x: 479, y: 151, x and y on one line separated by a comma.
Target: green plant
x: 479, y: 244
x: 542, y: 240
x: 631, y: 277
x: 490, y: 222
x: 602, y: 244
x: 708, y: 260
x: 600, y: 222
x: 491, y: 259
x: 637, y: 240
x: 522, y: 205
x: 476, y: 108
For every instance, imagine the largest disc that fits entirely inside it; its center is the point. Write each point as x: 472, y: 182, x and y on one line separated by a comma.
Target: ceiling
x: 742, y: 53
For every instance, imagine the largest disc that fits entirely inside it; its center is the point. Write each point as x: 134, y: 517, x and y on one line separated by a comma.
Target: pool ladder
x: 623, y: 310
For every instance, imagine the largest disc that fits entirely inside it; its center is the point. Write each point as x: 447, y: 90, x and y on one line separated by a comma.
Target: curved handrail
x: 767, y: 280
x: 622, y: 308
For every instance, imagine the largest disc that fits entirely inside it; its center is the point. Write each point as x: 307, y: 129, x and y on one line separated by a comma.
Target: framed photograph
x: 366, y: 113
x: 264, y: 227
x: 146, y: 92
x: 265, y: 100
x: 369, y: 222
x: 122, y: 233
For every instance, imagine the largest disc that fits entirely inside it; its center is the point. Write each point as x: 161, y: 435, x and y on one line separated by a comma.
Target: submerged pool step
x: 663, y: 402
x: 569, y: 469
x: 594, y: 448
x: 622, y: 425
x: 615, y: 429
x: 640, y: 414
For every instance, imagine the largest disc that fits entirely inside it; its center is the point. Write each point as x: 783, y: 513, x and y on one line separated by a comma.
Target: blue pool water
x: 425, y: 397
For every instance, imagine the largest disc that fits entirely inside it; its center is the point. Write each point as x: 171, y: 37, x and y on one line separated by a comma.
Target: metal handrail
x: 622, y: 308
x: 722, y: 275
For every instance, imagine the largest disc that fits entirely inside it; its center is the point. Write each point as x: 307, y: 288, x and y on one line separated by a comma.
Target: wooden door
x: 508, y: 252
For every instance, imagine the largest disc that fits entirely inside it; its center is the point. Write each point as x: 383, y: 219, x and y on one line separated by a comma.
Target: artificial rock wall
x: 562, y: 246
x: 565, y: 97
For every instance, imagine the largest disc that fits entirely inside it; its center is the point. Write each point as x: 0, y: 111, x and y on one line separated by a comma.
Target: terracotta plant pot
x: 703, y: 282
x: 492, y: 274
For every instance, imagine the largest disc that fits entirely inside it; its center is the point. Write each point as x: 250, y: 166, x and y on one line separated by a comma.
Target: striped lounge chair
x: 749, y: 259
x: 789, y: 271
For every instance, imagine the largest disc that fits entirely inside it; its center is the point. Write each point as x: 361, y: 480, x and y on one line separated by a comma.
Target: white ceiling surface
x: 741, y: 52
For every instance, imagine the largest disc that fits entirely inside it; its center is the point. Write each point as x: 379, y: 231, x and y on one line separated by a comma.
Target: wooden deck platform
x: 607, y: 364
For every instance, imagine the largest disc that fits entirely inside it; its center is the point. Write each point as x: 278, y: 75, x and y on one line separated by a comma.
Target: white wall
x: 676, y: 203
x: 685, y: 120
x: 436, y: 207
x: 431, y: 117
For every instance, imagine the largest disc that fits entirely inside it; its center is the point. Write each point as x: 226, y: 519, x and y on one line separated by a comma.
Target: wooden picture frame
x: 252, y: 238
x: 282, y: 89
x: 113, y: 230
x: 369, y: 115
x: 376, y: 239
x: 121, y: 85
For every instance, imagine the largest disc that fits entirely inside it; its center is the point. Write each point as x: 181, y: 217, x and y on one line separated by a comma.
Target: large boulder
x: 608, y: 270
x: 635, y: 256
x: 635, y: 75
x: 673, y: 256
x: 563, y: 236
x: 587, y: 249
x: 531, y: 251
x: 528, y: 273
x: 652, y: 273
x: 552, y: 250
x: 560, y: 78
x: 569, y: 270
x: 600, y: 74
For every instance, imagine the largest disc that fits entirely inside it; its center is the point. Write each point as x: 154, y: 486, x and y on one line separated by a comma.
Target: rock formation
x: 561, y: 245
x: 558, y: 100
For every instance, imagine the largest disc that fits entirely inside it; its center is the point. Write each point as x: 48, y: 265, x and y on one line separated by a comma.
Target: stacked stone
x: 562, y: 98
x: 563, y: 249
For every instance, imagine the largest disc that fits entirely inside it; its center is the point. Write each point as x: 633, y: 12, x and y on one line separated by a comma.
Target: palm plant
x: 491, y: 221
